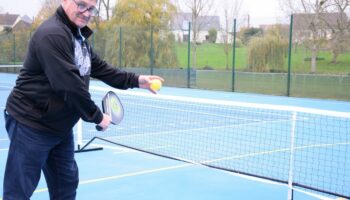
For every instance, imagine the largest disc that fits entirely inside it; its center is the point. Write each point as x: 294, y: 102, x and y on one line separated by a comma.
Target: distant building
x: 14, y: 22
x: 179, y: 27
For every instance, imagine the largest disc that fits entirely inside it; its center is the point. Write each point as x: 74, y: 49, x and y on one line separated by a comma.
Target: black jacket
x: 50, y: 94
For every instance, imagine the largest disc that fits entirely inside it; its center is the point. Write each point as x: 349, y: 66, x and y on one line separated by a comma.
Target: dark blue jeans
x: 30, y: 152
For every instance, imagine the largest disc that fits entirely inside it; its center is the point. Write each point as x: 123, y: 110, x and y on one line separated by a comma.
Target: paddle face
x: 112, y: 106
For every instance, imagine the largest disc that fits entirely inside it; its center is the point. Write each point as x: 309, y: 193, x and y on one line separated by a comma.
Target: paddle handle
x: 99, y: 128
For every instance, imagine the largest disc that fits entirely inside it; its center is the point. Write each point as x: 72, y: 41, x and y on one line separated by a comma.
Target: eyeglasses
x: 82, y: 7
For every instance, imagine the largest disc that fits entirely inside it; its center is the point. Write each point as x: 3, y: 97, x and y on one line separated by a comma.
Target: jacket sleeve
x: 56, y: 56
x: 112, y: 76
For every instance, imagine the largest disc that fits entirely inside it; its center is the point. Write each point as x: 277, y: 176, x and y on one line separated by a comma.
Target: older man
x: 50, y: 95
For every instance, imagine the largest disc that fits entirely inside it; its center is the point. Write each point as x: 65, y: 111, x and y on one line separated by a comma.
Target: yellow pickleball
x: 156, y: 84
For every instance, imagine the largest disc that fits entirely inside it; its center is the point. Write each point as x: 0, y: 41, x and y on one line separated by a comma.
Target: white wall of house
x: 220, y: 38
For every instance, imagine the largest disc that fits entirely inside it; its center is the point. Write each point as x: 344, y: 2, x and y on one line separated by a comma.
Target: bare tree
x: 318, y: 17
x: 106, y: 5
x: 198, y: 8
x: 315, y: 25
x: 48, y: 8
x: 339, y: 26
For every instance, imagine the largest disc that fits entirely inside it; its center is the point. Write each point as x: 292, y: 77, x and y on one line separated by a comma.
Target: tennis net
x: 301, y: 147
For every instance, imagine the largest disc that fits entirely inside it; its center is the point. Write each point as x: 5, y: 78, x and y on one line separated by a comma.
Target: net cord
x: 228, y: 103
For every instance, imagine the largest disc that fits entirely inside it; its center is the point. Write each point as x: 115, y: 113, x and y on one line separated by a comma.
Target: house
x: 14, y: 22
x: 179, y: 26
x: 304, y: 23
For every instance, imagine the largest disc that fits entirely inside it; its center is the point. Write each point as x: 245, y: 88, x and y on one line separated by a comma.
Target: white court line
x: 4, y: 149
x: 108, y: 178
x: 281, y: 184
x: 127, y: 150
x: 4, y: 139
x: 314, y: 195
x: 270, y: 152
x: 194, y: 163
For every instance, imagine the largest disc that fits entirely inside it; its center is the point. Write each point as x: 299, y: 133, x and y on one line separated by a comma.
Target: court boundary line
x: 108, y: 178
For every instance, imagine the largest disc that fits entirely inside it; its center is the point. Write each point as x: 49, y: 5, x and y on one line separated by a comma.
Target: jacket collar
x: 62, y: 16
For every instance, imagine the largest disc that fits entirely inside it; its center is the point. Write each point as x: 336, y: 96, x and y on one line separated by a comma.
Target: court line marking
x: 108, y: 178
x: 281, y: 184
x: 269, y: 152
x: 314, y: 195
x: 126, y: 150
x: 176, y: 167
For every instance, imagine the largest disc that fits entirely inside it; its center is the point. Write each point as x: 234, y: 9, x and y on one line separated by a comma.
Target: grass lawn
x: 213, y: 55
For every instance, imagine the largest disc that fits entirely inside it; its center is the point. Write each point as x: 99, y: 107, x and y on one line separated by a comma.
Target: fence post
x: 120, y: 47
x: 93, y: 40
x: 14, y: 49
x: 189, y: 55
x: 151, y: 52
x: 289, y: 54
x: 234, y: 55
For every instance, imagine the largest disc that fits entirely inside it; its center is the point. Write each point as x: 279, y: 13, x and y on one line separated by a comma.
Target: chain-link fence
x: 292, y: 56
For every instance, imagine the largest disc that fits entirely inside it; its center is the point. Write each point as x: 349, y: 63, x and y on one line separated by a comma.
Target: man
x: 50, y: 95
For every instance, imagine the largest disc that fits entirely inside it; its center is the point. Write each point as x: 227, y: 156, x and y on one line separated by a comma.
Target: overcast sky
x: 263, y: 10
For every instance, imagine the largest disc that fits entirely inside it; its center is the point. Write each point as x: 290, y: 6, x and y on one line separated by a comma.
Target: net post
x: 291, y: 158
x: 79, y: 134
x: 80, y: 146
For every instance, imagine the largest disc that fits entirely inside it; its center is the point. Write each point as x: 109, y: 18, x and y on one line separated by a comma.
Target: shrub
x: 267, y: 53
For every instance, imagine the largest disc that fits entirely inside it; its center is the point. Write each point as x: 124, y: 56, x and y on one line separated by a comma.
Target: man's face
x: 80, y: 11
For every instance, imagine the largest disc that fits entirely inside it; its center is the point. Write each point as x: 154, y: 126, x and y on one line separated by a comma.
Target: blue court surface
x: 117, y: 172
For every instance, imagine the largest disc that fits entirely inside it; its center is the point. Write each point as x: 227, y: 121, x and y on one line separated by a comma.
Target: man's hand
x: 106, y: 121
x: 146, y: 80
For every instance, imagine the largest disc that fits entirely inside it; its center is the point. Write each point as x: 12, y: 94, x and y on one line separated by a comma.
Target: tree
x: 212, y: 35
x: 47, y: 9
x: 245, y: 34
x: 137, y: 18
x: 106, y: 4
x: 106, y: 11
x: 339, y: 27
x: 198, y: 8
x: 315, y: 18
x: 267, y: 53
x: 152, y: 12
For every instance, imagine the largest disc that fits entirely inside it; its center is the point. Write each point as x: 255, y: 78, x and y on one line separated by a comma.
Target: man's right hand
x: 106, y: 121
